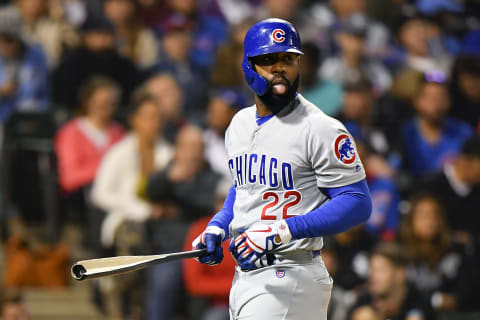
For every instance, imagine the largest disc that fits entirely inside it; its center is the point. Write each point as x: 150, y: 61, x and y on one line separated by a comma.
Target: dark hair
x: 362, y: 84
x: 471, y: 147
x: 466, y: 64
x: 312, y: 53
x: 139, y: 97
x: 90, y: 86
x: 393, y: 252
x: 433, y: 251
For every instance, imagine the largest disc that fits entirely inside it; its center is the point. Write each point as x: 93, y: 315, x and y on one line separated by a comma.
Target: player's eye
x: 264, y: 60
x: 288, y: 58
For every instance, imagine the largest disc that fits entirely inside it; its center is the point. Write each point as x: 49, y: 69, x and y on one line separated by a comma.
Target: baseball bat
x: 94, y: 268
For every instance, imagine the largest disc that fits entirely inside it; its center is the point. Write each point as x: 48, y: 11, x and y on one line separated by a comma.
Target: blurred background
x: 113, y: 114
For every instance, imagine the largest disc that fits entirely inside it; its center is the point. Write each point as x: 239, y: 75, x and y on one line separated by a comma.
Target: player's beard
x: 275, y: 102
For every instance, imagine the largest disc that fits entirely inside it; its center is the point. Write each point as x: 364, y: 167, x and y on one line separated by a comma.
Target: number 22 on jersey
x: 273, y: 198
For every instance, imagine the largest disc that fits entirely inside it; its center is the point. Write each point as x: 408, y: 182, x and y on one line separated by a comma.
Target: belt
x: 294, y: 257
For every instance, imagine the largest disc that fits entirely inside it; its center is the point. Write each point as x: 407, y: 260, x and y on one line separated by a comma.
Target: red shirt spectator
x: 79, y: 154
x: 207, y: 281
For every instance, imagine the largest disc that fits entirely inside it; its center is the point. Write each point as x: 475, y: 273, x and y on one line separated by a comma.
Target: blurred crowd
x: 113, y: 114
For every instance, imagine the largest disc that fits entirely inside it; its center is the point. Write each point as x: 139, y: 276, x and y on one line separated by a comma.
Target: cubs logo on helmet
x: 267, y: 36
x: 344, y: 149
x: 278, y: 35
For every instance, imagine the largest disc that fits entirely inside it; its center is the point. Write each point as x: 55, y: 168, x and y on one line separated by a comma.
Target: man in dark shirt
x: 388, y: 295
x: 96, y: 56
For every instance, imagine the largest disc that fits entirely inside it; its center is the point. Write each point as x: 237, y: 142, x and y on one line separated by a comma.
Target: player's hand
x: 257, y: 241
x: 211, y: 239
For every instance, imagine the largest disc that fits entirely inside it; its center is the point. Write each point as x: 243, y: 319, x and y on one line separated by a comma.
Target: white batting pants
x: 296, y: 289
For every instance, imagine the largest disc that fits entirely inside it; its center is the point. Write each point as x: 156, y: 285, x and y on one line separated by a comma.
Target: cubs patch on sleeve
x: 344, y: 149
x: 334, y: 155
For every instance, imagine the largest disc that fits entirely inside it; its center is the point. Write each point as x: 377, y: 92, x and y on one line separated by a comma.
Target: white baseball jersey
x: 278, y: 167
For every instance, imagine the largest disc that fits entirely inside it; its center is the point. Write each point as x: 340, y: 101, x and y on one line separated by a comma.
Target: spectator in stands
x: 388, y: 295
x: 458, y: 185
x: 133, y: 41
x: 323, y: 93
x: 120, y: 190
x: 352, y: 62
x: 96, y: 56
x: 335, y: 12
x: 384, y: 220
x: 12, y: 306
x: 186, y: 188
x: 421, y: 40
x: 187, y: 183
x: 438, y: 268
x: 223, y: 105
x: 358, y: 114
x: 228, y: 71
x: 165, y: 88
x: 207, y: 284
x: 175, y: 58
x: 81, y: 143
x: 45, y: 28
x: 352, y: 248
x: 431, y: 139
x: 341, y: 300
x: 119, y: 187
x: 464, y: 89
x: 24, y: 83
x: 208, y: 32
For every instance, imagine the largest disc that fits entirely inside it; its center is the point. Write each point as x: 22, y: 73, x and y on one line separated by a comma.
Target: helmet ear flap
x: 255, y: 81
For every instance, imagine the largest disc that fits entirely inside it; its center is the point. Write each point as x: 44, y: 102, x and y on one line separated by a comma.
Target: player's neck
x: 262, y: 109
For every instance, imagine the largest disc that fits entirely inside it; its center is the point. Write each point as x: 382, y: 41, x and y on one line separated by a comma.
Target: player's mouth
x: 280, y: 85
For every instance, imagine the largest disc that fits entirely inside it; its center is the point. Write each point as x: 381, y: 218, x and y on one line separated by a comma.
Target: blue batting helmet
x: 267, y: 36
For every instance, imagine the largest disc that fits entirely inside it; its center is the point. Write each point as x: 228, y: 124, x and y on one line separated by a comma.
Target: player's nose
x: 279, y: 66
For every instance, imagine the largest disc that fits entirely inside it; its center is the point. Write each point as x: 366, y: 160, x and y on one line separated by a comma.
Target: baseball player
x: 296, y: 177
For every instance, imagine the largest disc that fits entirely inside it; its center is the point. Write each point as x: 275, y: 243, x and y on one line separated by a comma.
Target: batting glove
x: 257, y: 241
x: 211, y: 239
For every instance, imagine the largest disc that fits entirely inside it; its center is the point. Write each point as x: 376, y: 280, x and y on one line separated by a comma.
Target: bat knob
x: 78, y: 272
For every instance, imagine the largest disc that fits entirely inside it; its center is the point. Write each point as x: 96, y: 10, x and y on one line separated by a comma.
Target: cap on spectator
x: 176, y: 22
x: 356, y: 25
x: 97, y: 23
x: 234, y: 98
x: 434, y: 76
x: 10, y: 24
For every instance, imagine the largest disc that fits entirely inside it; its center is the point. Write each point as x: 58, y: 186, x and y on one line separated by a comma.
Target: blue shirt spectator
x: 424, y: 157
x: 23, y: 72
x: 431, y: 139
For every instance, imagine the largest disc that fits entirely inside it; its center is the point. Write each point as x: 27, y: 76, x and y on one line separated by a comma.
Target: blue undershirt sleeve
x: 223, y: 217
x: 348, y: 206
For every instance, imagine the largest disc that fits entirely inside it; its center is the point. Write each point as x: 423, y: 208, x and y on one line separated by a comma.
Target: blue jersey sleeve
x: 223, y: 218
x: 349, y: 206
